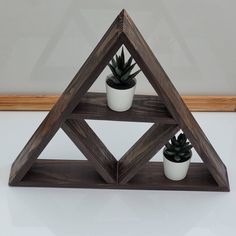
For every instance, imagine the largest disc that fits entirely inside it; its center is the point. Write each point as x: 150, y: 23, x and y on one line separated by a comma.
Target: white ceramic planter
x: 120, y: 99
x: 175, y: 171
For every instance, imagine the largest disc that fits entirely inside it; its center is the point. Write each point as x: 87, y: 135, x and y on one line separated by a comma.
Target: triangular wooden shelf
x: 167, y: 111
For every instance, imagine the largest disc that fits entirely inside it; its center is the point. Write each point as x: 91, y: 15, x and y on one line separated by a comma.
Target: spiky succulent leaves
x: 132, y: 76
x: 114, y: 80
x: 126, y: 73
x: 178, y: 149
x: 121, y: 71
x: 122, y: 59
x: 128, y: 63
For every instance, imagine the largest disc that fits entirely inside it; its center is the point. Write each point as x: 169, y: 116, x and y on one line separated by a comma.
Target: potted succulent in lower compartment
x: 176, y: 157
x: 120, y: 85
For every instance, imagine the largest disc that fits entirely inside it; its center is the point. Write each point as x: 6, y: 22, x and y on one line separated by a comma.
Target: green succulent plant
x: 178, y: 149
x: 121, y: 70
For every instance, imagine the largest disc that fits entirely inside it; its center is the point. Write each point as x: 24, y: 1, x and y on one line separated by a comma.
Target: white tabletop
x: 88, y: 212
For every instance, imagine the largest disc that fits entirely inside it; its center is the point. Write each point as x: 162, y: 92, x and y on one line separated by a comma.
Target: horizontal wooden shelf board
x: 45, y: 103
x: 81, y: 174
x: 168, y: 113
x: 144, y: 109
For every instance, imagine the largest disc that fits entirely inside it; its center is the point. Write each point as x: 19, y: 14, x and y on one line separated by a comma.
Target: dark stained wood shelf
x: 167, y: 111
x: 145, y: 108
x: 81, y: 174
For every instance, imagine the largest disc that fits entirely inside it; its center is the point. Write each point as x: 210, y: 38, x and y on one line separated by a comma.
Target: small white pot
x: 120, y: 99
x: 175, y: 171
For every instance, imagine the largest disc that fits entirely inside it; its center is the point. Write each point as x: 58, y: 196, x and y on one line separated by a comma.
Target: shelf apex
x: 122, y: 31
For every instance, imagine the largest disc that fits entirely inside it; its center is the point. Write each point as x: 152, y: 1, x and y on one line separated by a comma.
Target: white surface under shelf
x: 89, y: 212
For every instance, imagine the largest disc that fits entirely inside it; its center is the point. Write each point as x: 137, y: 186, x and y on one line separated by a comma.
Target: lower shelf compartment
x: 81, y: 174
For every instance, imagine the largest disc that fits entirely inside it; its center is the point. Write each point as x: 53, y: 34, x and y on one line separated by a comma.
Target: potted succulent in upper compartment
x: 120, y: 85
x: 177, y: 154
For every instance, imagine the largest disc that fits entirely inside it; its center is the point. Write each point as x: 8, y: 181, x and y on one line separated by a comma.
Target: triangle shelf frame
x: 167, y: 111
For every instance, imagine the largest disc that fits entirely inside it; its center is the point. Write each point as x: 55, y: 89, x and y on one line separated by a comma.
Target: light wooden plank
x: 211, y: 103
x: 46, y: 102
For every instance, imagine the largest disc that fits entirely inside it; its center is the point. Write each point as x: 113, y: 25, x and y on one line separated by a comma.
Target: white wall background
x: 44, y: 42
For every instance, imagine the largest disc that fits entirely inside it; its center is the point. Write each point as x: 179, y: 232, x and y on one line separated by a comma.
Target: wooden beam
x: 211, y: 103
x: 93, y: 148
x: 27, y: 102
x: 143, y: 150
x: 46, y: 102
x: 53, y: 173
x: 161, y: 83
x: 67, y: 102
x: 145, y: 108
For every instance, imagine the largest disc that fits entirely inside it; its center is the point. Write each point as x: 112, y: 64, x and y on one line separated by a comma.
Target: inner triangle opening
x: 118, y: 137
x: 61, y: 147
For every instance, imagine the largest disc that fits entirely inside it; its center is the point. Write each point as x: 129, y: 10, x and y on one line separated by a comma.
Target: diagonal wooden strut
x: 169, y: 110
x: 144, y: 149
x: 150, y: 66
x: 93, y: 148
x: 82, y: 81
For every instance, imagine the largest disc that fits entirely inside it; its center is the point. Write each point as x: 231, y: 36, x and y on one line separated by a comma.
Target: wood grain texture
x: 144, y: 109
x: 93, y: 148
x: 27, y: 102
x: 211, y: 103
x: 149, y: 176
x: 82, y: 81
x: 46, y: 102
x: 81, y: 174
x: 143, y: 150
x: 160, y: 81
